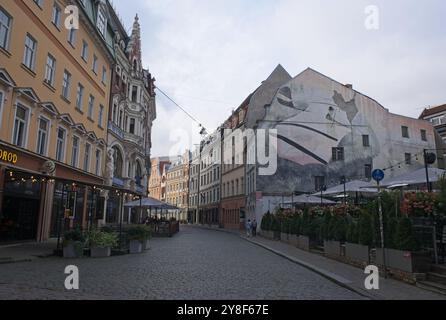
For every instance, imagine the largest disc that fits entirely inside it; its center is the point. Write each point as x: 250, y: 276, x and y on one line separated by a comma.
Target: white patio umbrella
x: 309, y: 199
x: 352, y: 186
x: 412, y: 178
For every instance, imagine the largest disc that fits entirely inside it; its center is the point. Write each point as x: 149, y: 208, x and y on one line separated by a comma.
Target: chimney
x: 350, y: 86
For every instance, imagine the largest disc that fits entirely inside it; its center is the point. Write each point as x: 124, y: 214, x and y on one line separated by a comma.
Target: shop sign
x: 8, y: 156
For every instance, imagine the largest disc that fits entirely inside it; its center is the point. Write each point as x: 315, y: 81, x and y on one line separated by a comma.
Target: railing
x: 116, y: 130
x: 118, y: 182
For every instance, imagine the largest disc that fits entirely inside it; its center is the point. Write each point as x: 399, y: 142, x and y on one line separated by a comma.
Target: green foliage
x: 352, y: 235
x: 365, y: 229
x: 442, y: 195
x: 265, y: 225
x: 404, y: 237
x: 107, y: 229
x: 139, y: 233
x: 74, y: 235
x: 97, y: 238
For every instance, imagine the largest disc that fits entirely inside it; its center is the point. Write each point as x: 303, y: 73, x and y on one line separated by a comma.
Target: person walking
x: 248, y: 228
x: 254, y: 228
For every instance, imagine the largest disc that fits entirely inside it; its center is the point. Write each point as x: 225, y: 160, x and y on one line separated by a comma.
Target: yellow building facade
x: 54, y: 98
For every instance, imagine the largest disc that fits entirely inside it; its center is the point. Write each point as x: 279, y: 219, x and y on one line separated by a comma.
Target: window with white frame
x: 87, y: 157
x: 102, y: 22
x: 60, y: 144
x: 95, y: 64
x: 79, y: 96
x: 98, y: 162
x: 57, y: 13
x: 50, y: 70
x: 20, y: 126
x: 90, y: 106
x: 66, y: 83
x: 104, y: 75
x: 42, y: 136
x: 5, y: 28
x: 101, y: 115
x: 72, y: 36
x: 84, y: 54
x: 75, y: 152
x: 29, y: 56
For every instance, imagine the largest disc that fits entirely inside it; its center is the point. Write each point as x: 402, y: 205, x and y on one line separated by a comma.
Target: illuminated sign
x: 8, y: 156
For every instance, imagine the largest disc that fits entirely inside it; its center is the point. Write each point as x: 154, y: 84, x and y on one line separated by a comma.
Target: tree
x: 365, y: 229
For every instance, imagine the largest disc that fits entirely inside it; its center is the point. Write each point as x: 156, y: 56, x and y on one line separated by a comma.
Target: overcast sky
x: 209, y: 55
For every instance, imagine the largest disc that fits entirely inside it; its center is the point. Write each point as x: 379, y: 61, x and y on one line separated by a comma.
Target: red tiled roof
x: 431, y: 111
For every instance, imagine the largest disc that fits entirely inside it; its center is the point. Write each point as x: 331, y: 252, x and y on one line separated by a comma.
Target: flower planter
x: 135, y: 247
x: 73, y: 250
x: 304, y: 243
x: 293, y: 240
x: 332, y: 248
x: 357, y: 252
x: 284, y: 237
x: 146, y: 245
x: 97, y: 252
x: 411, y: 262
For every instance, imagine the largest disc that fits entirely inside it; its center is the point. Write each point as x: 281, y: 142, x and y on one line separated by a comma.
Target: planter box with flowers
x: 101, y: 243
x: 138, y: 236
x: 73, y: 244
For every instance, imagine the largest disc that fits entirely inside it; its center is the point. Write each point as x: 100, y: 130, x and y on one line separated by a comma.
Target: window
x: 338, y: 154
x: 60, y: 144
x: 30, y: 52
x: 5, y: 28
x: 102, y: 22
x: 104, y: 75
x: 368, y: 171
x: 20, y: 126
x: 79, y: 96
x: 319, y: 183
x: 405, y: 131
x: 50, y: 70
x: 84, y: 50
x: 408, y: 158
x: 134, y: 93
x: 39, y: 2
x: 90, y: 106
x: 95, y: 64
x: 87, y: 157
x: 365, y: 140
x: 57, y: 12
x: 72, y: 36
x: 423, y: 135
x: 66, y: 85
x: 101, y: 115
x: 98, y: 162
x: 132, y: 126
x: 42, y: 136
x: 75, y: 152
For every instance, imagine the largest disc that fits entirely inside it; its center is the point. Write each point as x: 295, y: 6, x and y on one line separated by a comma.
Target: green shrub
x: 365, y: 229
x: 97, y: 238
x: 139, y: 233
x: 352, y: 235
x: 404, y: 236
x: 72, y: 236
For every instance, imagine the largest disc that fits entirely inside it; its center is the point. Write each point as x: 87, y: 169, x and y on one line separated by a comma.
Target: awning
x: 412, y: 178
x: 309, y: 199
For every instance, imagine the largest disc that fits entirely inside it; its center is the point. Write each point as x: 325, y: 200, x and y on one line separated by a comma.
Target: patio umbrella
x: 150, y: 203
x: 352, y: 186
x: 413, y: 178
x: 309, y: 199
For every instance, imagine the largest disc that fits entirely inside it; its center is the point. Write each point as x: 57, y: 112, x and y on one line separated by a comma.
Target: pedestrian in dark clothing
x: 254, y: 228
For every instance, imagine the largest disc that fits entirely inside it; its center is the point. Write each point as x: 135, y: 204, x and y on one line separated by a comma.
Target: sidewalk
x: 26, y: 252
x: 345, y: 275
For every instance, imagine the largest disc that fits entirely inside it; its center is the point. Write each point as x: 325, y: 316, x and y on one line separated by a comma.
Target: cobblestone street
x: 195, y: 264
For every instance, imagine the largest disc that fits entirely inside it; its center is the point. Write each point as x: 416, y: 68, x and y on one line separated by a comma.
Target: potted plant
x: 334, y: 234
x: 73, y: 244
x: 101, y: 243
x: 359, y: 239
x: 138, y: 236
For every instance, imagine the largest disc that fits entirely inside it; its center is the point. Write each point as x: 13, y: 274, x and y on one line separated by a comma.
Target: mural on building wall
x: 325, y: 129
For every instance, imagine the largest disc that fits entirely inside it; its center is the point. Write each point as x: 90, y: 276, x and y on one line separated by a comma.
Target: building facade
x: 326, y: 130
x: 131, y: 115
x: 194, y: 186
x: 437, y: 116
x: 210, y: 180
x: 54, y: 93
x: 158, y: 168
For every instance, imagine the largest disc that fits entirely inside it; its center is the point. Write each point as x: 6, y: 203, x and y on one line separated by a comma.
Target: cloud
x: 210, y: 55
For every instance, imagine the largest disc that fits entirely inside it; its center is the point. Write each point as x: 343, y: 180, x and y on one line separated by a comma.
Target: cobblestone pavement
x: 195, y: 264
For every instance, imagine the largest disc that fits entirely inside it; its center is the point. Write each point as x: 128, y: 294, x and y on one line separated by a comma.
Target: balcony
x: 118, y: 182
x: 129, y: 137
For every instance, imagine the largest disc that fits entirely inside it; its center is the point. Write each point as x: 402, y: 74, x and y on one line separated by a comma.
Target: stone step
x: 440, y: 269
x: 436, y: 277
x: 432, y: 286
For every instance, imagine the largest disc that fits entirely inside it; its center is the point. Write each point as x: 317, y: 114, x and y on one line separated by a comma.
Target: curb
x: 326, y: 274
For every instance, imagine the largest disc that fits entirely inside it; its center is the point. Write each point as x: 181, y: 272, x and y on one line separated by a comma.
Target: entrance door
x: 19, y: 219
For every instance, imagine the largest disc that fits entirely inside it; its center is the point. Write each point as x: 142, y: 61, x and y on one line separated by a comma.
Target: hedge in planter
x: 101, y: 243
x: 73, y: 244
x: 359, y: 239
x: 138, y: 237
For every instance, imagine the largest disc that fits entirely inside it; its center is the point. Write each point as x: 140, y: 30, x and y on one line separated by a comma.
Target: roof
x: 431, y: 111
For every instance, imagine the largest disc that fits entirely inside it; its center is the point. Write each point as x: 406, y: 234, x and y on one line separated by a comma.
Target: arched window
x: 138, y: 174
x: 118, y: 160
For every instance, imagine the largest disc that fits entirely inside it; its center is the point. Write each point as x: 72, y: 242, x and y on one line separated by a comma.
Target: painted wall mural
x: 327, y: 130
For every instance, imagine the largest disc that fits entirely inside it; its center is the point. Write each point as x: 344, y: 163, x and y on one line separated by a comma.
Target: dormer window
x: 102, y: 22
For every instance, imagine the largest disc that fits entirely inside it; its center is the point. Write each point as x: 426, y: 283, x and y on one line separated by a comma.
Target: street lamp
x: 429, y: 159
x: 344, y: 181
